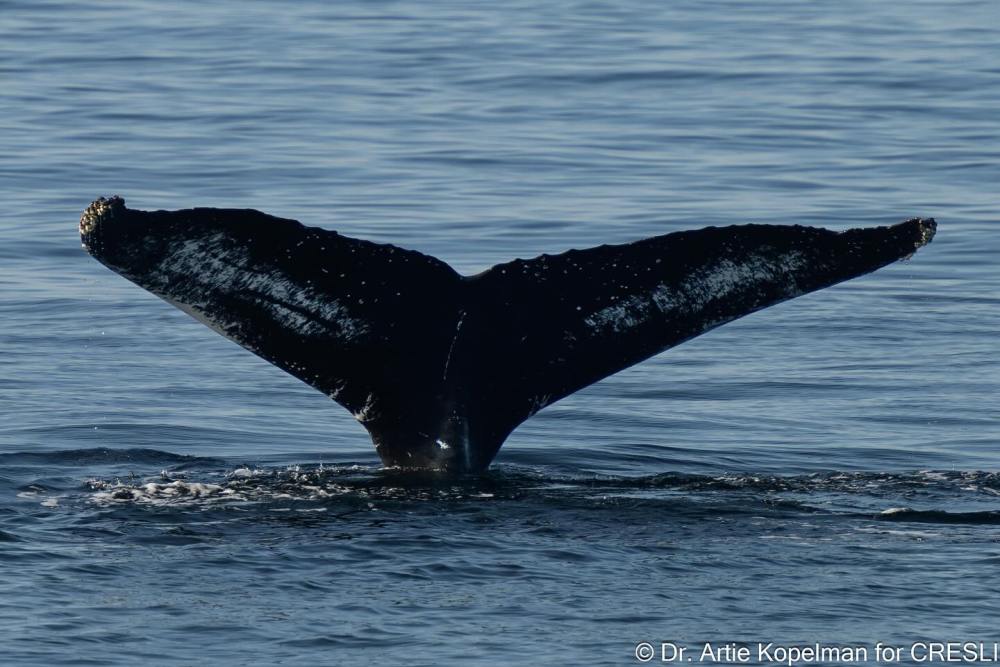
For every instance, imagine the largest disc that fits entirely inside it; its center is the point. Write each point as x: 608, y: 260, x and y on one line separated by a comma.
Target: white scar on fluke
x: 697, y: 290
x: 216, y: 264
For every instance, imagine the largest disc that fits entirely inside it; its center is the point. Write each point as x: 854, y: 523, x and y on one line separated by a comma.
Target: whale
x: 440, y: 367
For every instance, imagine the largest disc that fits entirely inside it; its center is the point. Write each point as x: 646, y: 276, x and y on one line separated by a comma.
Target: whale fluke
x: 439, y: 367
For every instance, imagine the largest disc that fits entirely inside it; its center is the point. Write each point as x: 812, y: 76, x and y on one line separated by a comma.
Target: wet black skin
x: 439, y: 367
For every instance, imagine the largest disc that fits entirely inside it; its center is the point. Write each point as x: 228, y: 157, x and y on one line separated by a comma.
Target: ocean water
x: 826, y: 471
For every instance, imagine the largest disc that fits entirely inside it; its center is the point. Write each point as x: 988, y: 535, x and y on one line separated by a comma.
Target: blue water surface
x: 827, y: 470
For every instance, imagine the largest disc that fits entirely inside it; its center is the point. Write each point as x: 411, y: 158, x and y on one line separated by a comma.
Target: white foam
x: 234, y: 489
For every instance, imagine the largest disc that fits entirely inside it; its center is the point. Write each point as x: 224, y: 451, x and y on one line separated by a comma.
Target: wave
x: 101, y: 455
x: 841, y: 482
x: 157, y: 478
x: 906, y: 514
x: 365, y: 484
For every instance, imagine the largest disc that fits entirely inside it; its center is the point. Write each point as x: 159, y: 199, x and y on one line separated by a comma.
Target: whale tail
x: 438, y: 367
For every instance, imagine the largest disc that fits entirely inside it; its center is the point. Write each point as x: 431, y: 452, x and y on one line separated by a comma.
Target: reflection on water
x: 820, y: 471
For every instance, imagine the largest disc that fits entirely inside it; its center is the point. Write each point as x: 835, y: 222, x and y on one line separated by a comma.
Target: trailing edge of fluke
x: 440, y: 367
